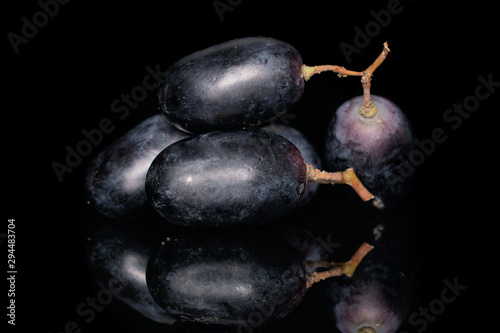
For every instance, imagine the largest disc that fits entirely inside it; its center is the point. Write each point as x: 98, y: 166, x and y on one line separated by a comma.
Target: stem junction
x: 367, y: 109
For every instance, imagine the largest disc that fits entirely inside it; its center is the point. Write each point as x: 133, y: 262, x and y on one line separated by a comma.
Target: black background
x: 66, y: 77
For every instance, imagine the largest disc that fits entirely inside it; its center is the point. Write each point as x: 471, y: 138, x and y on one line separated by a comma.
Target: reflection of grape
x: 377, y: 297
x: 117, y: 254
x: 233, y: 85
x: 115, y: 179
x: 227, y: 277
x: 373, y: 147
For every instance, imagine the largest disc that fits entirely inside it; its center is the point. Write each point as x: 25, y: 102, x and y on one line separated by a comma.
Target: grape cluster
x: 192, y: 196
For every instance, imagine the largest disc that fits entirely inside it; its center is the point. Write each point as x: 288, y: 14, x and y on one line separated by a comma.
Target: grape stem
x: 348, y: 177
x: 336, y: 269
x: 367, y: 109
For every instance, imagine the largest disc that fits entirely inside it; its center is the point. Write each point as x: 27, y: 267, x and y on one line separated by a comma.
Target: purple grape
x: 115, y: 179
x: 374, y: 147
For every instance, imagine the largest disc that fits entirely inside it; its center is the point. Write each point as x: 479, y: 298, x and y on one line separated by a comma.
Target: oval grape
x: 227, y: 179
x: 233, y: 85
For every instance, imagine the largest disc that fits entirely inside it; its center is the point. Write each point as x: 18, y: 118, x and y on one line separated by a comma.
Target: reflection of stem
x: 341, y: 177
x: 346, y: 268
x: 368, y: 109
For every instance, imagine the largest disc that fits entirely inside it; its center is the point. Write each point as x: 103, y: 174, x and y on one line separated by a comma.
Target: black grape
x: 245, y: 279
x: 114, y: 182
x: 232, y: 85
x: 117, y: 253
x: 376, y: 299
x: 374, y: 147
x: 230, y: 179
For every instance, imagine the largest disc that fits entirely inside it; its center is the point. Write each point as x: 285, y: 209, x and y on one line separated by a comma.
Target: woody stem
x: 308, y: 71
x: 341, y: 177
x: 368, y: 109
